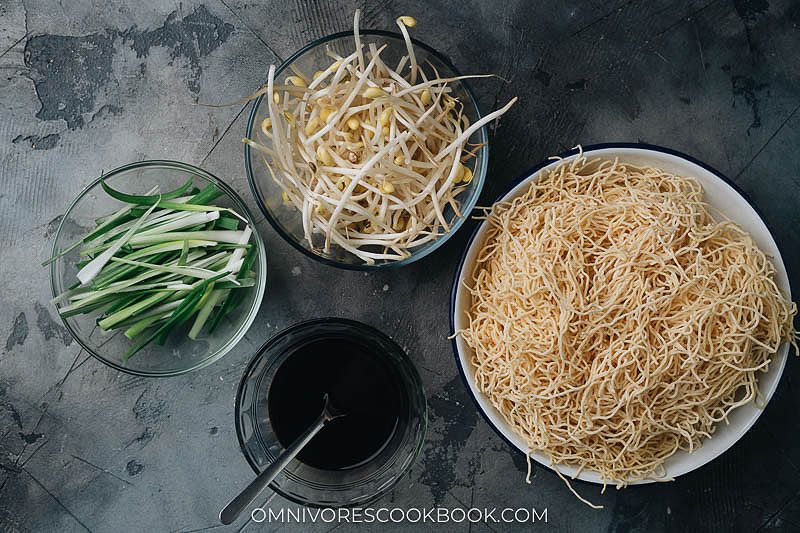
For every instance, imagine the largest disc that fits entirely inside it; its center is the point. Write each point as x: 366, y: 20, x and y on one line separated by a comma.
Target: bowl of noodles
x: 622, y: 315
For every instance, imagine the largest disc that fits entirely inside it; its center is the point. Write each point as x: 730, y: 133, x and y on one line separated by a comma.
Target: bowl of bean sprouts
x: 367, y: 149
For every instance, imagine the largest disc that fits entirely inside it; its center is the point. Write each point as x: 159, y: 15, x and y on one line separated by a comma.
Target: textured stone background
x: 86, y: 86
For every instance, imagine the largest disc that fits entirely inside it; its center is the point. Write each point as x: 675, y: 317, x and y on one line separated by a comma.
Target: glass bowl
x: 286, y: 219
x: 179, y: 354
x: 302, y: 483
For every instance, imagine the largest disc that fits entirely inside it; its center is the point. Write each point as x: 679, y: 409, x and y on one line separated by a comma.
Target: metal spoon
x: 237, y: 505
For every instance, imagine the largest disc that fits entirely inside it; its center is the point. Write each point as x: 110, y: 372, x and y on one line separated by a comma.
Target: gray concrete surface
x: 86, y: 86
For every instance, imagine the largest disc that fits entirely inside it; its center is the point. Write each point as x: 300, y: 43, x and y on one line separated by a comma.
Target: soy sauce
x: 361, y: 383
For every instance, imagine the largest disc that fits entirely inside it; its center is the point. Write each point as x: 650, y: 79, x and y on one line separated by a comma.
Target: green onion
x: 160, y: 261
x: 145, y: 199
x: 233, y: 300
x: 87, y: 273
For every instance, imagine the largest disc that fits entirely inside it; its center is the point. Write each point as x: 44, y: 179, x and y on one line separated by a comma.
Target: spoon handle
x: 237, y: 505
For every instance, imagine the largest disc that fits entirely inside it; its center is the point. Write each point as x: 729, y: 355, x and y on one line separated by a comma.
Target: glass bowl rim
x: 478, y: 179
x: 354, y: 325
x: 262, y: 261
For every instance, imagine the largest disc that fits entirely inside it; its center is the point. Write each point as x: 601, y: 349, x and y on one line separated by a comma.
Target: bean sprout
x: 371, y: 158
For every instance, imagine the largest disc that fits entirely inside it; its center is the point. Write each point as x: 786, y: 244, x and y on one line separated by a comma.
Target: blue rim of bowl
x: 527, y: 174
x: 478, y: 179
x: 257, y: 357
x: 262, y: 257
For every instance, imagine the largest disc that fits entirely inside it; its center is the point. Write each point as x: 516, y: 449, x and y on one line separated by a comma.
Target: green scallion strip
x: 111, y: 320
x: 178, y: 316
x: 145, y: 199
x: 234, y: 298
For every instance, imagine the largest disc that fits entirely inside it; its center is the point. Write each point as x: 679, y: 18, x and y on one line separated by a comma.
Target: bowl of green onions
x: 157, y: 268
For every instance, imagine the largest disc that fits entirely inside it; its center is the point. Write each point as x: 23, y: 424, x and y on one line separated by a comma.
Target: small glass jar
x: 305, y: 484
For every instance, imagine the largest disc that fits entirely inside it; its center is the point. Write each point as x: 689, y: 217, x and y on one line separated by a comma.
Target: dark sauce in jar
x: 361, y: 383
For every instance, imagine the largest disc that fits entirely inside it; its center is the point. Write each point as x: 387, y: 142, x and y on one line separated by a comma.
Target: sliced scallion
x: 159, y: 261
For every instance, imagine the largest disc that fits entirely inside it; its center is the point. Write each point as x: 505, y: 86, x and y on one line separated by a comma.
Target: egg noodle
x: 615, y: 322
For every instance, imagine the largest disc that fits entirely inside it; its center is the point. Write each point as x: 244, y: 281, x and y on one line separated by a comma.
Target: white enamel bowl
x: 722, y: 194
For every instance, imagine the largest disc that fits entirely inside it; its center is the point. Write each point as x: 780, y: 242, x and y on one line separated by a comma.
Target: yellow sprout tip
x: 324, y: 156
x: 425, y: 97
x: 326, y: 113
x: 386, y: 116
x: 311, y: 127
x: 374, y: 92
x: 296, y: 80
x: 407, y: 21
